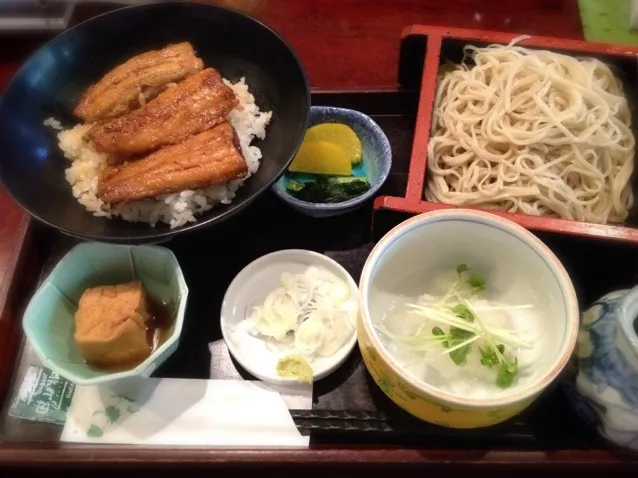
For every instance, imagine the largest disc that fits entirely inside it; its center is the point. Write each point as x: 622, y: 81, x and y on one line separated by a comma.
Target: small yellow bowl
x: 512, y: 259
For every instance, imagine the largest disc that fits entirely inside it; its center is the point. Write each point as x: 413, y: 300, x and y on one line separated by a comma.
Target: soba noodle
x: 533, y: 132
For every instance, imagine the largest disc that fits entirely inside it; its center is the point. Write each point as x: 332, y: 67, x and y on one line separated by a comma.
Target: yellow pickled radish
x: 338, y: 134
x: 321, y: 157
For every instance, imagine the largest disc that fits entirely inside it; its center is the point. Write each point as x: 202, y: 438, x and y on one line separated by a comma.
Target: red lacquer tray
x: 424, y: 48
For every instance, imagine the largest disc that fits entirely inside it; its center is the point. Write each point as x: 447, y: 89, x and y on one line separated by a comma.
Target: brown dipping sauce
x: 157, y: 331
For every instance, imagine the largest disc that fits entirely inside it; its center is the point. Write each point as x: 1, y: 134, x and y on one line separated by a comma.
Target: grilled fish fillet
x: 198, y: 103
x: 211, y: 157
x: 118, y: 91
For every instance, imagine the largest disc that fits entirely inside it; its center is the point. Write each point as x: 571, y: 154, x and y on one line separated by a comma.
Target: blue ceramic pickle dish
x: 375, y: 166
x: 49, y: 320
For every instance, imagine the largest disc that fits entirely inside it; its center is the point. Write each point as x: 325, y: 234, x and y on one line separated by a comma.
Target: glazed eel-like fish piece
x: 196, y: 104
x: 211, y: 157
x: 119, y: 90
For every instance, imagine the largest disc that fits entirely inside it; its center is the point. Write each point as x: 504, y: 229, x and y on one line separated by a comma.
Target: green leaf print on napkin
x: 124, y: 405
x: 112, y: 413
x: 94, y: 431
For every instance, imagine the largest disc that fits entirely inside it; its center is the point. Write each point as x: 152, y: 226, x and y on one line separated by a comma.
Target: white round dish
x: 256, y: 280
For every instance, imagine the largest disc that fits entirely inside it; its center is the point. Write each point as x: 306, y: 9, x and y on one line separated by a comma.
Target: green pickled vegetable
x: 328, y: 189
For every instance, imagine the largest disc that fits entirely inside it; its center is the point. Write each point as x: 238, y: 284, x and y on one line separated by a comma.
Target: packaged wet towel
x: 218, y: 413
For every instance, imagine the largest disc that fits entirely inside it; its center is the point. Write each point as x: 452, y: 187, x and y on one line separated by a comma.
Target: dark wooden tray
x: 351, y: 422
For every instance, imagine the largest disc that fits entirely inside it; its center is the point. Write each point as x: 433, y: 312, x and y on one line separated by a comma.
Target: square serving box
x: 425, y: 48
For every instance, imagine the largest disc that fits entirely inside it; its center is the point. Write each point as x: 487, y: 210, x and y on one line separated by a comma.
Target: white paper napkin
x: 217, y: 413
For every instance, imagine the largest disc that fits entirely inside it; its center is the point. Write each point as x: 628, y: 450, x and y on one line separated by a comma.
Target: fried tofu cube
x: 111, y: 323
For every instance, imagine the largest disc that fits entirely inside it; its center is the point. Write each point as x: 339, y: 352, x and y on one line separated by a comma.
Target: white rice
x: 173, y: 209
x: 53, y: 123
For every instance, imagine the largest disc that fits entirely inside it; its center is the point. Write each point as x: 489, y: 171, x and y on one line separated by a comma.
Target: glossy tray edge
x: 17, y: 265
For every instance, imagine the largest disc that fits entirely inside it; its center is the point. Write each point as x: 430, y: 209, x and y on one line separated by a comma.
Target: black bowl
x: 52, y: 81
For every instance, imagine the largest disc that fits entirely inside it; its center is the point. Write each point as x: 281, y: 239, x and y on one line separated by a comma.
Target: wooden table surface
x: 343, y: 44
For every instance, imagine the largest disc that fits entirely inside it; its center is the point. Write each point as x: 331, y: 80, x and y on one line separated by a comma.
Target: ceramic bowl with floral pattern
x: 517, y: 267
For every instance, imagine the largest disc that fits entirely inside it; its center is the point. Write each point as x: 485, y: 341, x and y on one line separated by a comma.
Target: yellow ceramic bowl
x: 512, y: 260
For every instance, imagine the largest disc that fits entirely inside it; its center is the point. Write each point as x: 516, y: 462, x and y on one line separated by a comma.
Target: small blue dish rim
x: 337, y: 112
